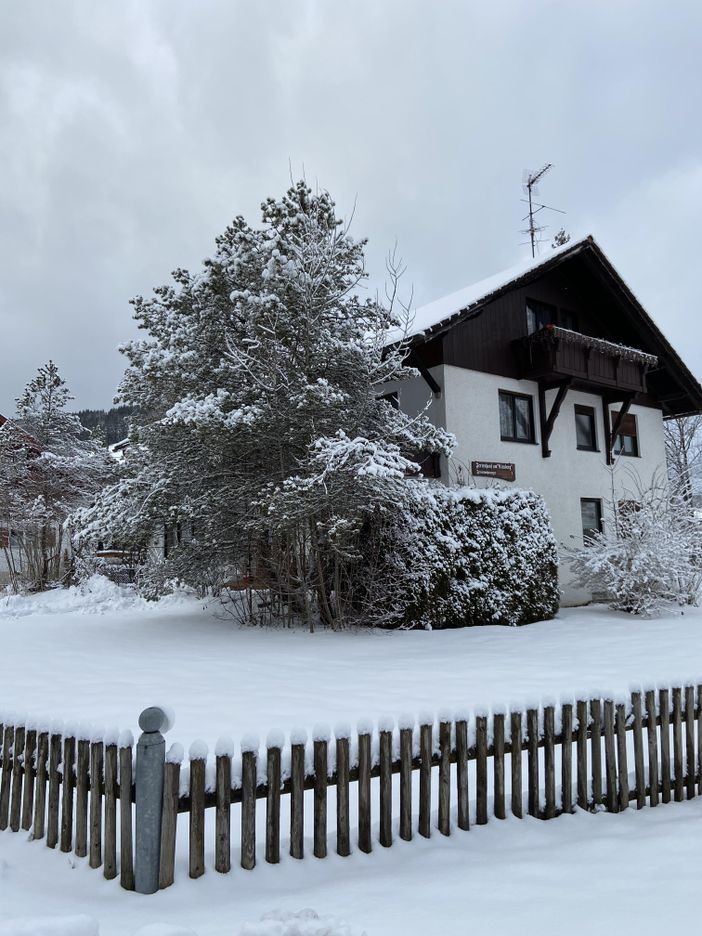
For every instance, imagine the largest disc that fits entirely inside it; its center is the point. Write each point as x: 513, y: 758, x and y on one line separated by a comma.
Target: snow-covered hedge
x: 458, y: 557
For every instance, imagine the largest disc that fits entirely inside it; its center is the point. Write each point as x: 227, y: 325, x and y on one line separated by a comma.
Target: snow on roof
x: 434, y: 313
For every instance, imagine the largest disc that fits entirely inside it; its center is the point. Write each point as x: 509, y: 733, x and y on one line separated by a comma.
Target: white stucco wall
x: 469, y: 408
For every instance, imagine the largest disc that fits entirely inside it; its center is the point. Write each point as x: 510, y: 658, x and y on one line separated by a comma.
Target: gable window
x: 627, y: 440
x: 539, y: 314
x: 568, y: 319
x: 516, y: 417
x: 591, y: 517
x: 585, y: 432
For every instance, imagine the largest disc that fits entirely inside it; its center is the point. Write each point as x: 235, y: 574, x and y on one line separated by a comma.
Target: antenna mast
x: 530, y: 184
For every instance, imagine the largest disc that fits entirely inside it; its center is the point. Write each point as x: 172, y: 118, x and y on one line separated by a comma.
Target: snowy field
x: 103, y: 656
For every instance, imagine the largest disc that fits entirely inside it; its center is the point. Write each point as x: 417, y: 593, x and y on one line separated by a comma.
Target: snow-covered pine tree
x: 48, y: 468
x: 260, y: 438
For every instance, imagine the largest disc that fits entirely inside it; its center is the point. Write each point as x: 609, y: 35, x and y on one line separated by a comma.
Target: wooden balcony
x: 555, y: 355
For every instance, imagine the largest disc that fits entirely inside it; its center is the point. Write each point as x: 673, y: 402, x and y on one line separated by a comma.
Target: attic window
x: 627, y: 440
x: 539, y: 314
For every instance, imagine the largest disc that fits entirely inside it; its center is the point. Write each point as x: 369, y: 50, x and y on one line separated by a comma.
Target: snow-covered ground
x: 104, y: 655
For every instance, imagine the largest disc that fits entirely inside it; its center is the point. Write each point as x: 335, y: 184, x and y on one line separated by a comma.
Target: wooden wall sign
x: 490, y: 469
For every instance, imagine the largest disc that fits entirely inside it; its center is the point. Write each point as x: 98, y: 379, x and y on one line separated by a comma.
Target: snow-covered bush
x: 456, y: 557
x: 652, y: 558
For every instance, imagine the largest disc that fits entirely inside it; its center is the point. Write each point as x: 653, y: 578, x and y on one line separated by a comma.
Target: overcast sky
x: 132, y: 132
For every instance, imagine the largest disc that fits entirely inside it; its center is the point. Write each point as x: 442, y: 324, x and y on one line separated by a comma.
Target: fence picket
x: 567, y: 757
x: 197, y: 813
x: 425, y: 757
x: 498, y: 735
x: 364, y: 789
x: 610, y: 760
x: 6, y: 778
x: 549, y: 762
x: 596, y: 751
x: 343, y: 764
x: 699, y: 739
x: 169, y: 817
x: 52, y: 820
x: 690, y: 740
x: 385, y: 753
x: 445, y: 777
x: 463, y: 818
x: 481, y: 773
x: 110, y: 869
x: 638, y: 750
x: 664, y: 706
x: 273, y: 778
x: 82, y: 784
x: 516, y: 763
x: 622, y: 766
x: 126, y: 837
x: 67, y: 786
x: 321, y: 767
x: 297, y: 798
x: 533, y: 761
x: 581, y: 750
x: 223, y: 808
x: 16, y: 798
x: 406, y: 782
x: 249, y: 757
x: 30, y: 747
x: 652, y: 736
x: 677, y: 745
x: 96, y: 779
x: 40, y: 791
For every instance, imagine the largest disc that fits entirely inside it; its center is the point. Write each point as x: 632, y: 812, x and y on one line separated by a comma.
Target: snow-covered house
x: 552, y: 377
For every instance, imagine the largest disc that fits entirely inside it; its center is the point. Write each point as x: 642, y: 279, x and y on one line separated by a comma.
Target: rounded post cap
x: 154, y: 719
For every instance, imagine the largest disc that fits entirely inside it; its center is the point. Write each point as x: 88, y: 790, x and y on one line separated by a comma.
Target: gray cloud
x: 133, y: 132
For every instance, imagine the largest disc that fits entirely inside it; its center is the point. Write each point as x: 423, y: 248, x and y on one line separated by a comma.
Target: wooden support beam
x: 548, y: 421
x: 413, y: 360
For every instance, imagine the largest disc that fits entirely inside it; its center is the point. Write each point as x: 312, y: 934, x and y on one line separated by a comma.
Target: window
x: 585, y: 432
x: 430, y: 465
x: 539, y: 314
x: 516, y: 417
x: 627, y: 440
x: 567, y: 319
x: 591, y: 517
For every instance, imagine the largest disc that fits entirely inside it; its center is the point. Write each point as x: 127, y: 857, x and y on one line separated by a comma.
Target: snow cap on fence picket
x: 225, y: 747
x: 84, y: 731
x: 56, y: 726
x: 111, y: 735
x: 549, y: 701
x: 198, y: 750
x: 499, y: 708
x: 650, y: 684
x: 566, y: 698
x: 462, y: 714
x: 321, y: 732
x: 98, y: 733
x: 364, y: 726
x: 275, y: 739
x: 71, y: 730
x: 298, y: 736
x: 126, y: 739
x: 175, y: 753
x: 342, y: 730
x: 386, y: 723
x: 445, y: 715
x: 481, y: 711
x: 249, y: 743
x: 426, y: 718
x: 406, y: 720
x: 634, y: 687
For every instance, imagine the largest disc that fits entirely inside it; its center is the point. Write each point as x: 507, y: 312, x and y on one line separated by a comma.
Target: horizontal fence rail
x: 69, y: 787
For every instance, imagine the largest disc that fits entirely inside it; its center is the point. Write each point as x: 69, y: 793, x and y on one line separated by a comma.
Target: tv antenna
x: 530, y: 182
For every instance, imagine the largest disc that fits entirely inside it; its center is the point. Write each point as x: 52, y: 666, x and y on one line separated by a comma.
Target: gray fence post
x: 150, y: 770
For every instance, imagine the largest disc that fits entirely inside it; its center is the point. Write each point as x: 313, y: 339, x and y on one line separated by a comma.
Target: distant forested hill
x: 112, y: 424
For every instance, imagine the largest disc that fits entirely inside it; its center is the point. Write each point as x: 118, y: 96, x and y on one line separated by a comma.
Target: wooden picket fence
x: 66, y: 788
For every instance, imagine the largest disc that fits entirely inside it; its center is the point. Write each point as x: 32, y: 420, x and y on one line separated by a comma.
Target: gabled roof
x: 437, y: 317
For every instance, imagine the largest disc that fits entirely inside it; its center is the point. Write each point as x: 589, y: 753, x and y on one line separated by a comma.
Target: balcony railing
x: 555, y: 354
